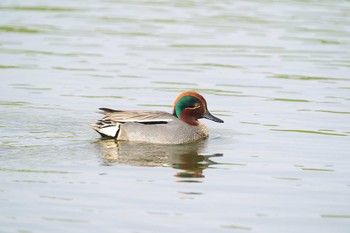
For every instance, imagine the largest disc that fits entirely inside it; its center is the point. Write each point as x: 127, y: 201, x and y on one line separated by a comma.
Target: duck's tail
x: 106, y: 129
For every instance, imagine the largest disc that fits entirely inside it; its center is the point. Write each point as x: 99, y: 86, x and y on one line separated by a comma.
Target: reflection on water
x: 187, y: 158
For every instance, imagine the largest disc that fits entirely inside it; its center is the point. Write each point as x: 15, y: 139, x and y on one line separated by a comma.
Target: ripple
x: 317, y: 169
x: 287, y: 178
x: 309, y: 132
x: 50, y: 53
x: 249, y: 86
x: 8, y: 67
x: 334, y: 112
x: 212, y: 65
x: 176, y: 83
x: 69, y: 220
x: 307, y: 78
x: 290, y: 100
x: 101, y: 96
x: 18, y: 29
x: 334, y: 216
x: 14, y: 103
x: 40, y: 8
x: 36, y: 171
x: 236, y: 227
x: 33, y: 88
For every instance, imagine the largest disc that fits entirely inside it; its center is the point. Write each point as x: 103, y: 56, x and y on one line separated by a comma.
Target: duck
x: 179, y: 127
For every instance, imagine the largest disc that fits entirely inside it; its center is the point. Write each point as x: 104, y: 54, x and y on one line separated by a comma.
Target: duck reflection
x: 187, y: 158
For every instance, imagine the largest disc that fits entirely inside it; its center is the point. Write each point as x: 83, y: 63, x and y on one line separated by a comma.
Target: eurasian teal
x: 182, y: 126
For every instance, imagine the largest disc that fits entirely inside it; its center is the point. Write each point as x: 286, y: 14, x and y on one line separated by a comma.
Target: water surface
x: 277, y: 73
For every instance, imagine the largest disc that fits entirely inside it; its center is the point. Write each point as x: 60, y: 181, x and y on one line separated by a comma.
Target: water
x: 276, y: 72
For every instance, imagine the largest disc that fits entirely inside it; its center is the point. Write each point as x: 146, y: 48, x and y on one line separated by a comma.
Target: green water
x: 277, y: 73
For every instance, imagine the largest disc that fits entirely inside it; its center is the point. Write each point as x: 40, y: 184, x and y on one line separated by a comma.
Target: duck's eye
x: 195, y: 105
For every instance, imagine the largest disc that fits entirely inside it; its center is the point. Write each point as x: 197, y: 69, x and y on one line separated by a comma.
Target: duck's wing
x: 109, y: 125
x: 136, y: 116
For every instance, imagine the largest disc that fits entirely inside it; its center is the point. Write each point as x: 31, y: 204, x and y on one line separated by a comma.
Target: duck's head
x: 190, y: 106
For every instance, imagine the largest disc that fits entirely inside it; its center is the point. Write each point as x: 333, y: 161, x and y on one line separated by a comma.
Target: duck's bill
x: 209, y: 116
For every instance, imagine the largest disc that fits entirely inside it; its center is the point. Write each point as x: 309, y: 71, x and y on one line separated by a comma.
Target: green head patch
x: 185, y: 102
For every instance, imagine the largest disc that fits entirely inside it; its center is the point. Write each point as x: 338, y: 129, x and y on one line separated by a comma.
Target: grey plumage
x: 147, y: 126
